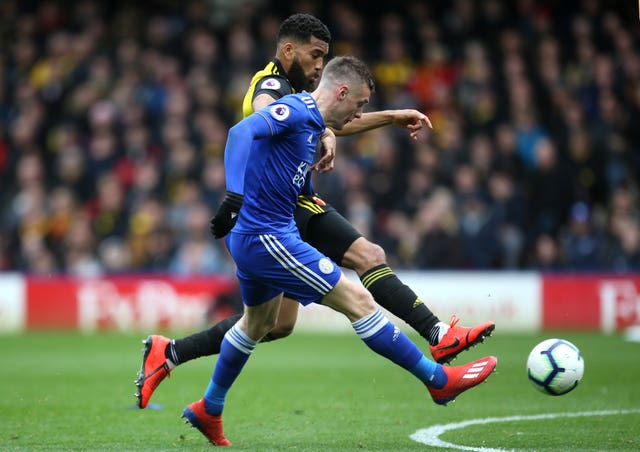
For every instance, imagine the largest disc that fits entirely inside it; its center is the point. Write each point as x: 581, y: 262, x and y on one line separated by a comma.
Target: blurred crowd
x: 113, y: 120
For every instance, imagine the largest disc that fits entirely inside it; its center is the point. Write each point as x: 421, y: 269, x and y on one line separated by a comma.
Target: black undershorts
x: 322, y: 227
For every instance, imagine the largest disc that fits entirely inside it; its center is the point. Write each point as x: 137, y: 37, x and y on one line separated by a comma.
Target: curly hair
x: 301, y: 27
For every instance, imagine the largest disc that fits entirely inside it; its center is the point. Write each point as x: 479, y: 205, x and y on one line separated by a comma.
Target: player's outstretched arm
x: 410, y: 119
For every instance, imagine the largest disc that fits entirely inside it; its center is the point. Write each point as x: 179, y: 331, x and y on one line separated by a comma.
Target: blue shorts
x: 269, y: 264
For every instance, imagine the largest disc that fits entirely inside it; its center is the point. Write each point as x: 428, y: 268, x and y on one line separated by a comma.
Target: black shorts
x: 322, y: 227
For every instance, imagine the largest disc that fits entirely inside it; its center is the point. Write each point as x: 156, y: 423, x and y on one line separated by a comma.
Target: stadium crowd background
x: 113, y: 119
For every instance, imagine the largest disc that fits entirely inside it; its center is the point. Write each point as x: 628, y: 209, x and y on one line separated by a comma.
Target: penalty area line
x: 431, y: 435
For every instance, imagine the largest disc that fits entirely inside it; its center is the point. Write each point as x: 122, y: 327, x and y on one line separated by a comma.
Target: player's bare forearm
x: 368, y: 121
x: 409, y: 119
x: 328, y: 152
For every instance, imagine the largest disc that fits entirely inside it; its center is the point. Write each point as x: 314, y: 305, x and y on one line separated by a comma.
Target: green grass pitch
x: 68, y: 391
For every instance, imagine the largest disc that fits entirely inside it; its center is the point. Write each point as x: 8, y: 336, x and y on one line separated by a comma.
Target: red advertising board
x: 598, y: 302
x: 516, y: 301
x: 122, y: 303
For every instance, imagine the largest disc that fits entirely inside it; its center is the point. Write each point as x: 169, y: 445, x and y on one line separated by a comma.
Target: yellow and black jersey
x: 270, y: 80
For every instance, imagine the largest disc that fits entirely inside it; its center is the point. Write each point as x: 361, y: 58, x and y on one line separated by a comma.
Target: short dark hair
x: 301, y: 27
x: 349, y: 68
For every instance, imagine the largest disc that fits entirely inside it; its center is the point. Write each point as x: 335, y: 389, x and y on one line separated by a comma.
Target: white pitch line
x: 430, y: 436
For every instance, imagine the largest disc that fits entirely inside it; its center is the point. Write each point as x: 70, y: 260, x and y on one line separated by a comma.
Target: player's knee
x: 377, y: 254
x: 262, y: 327
x: 360, y: 305
x: 281, y: 331
x: 369, y: 255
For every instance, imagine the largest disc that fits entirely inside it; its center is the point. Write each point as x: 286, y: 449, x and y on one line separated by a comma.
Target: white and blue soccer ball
x: 555, y: 366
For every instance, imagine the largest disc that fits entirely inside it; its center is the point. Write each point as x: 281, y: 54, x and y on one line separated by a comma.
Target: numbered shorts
x: 269, y: 264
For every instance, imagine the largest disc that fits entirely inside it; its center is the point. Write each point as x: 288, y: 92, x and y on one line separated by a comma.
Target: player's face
x: 307, y: 64
x: 351, y: 106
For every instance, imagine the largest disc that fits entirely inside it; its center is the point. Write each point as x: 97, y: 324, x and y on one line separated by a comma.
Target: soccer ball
x: 555, y: 366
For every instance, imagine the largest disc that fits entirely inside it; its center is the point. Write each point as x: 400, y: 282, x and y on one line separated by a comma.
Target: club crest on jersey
x: 280, y: 112
x: 270, y: 83
x: 325, y: 265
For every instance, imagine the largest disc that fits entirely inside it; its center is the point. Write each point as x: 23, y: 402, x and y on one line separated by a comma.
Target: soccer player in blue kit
x: 302, y: 44
x: 267, y: 160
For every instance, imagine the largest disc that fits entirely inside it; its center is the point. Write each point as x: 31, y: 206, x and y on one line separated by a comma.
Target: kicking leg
x: 446, y: 341
x: 368, y: 260
x: 386, y: 339
x: 334, y: 236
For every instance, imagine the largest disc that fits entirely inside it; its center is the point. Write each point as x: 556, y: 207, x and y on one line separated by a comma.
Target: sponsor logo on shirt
x: 300, y: 175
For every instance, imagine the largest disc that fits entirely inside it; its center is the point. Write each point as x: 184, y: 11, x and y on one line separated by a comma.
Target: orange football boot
x: 154, y: 368
x: 459, y: 339
x: 210, y: 426
x: 461, y: 378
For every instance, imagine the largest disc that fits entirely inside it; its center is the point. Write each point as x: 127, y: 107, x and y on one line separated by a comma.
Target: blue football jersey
x: 267, y: 159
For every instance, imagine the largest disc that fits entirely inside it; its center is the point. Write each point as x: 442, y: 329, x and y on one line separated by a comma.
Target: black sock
x: 203, y: 343
x: 398, y: 298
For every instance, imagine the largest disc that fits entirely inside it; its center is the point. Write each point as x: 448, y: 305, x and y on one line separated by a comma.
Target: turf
x: 64, y: 391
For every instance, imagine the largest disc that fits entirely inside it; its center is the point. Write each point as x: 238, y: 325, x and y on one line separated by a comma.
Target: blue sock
x: 235, y: 350
x: 386, y: 339
x: 430, y: 373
